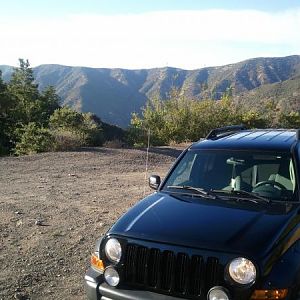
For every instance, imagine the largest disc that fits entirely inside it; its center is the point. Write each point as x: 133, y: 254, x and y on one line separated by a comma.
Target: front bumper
x: 97, y: 289
x: 92, y: 280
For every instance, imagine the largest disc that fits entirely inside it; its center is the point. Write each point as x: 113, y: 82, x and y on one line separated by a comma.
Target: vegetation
x: 180, y: 120
x: 72, y: 129
x: 32, y: 121
x: 33, y: 139
x: 116, y: 93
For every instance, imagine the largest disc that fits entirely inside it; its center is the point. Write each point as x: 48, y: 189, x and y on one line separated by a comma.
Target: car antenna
x: 147, y: 160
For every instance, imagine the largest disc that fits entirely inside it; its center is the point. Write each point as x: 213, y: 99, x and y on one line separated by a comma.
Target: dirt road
x: 54, y: 206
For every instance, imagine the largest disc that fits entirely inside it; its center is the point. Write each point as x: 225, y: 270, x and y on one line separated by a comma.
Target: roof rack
x: 227, y: 130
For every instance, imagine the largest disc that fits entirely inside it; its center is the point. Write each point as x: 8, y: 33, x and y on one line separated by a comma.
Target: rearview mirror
x: 235, y: 161
x: 154, y: 182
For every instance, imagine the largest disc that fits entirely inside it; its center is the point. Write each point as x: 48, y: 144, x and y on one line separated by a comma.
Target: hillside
x: 113, y: 94
x: 285, y: 94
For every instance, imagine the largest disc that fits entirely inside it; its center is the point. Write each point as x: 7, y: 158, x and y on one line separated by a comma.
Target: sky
x: 136, y: 34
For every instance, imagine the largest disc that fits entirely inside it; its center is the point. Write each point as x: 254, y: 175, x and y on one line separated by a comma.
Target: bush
x: 116, y: 144
x: 64, y: 140
x: 71, y: 127
x: 66, y: 118
x: 290, y: 120
x: 33, y: 139
x: 92, y: 131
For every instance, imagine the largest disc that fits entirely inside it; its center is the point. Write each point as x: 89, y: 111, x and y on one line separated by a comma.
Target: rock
x: 38, y: 222
x: 19, y: 223
x: 72, y: 175
x: 81, y: 239
x: 21, y: 296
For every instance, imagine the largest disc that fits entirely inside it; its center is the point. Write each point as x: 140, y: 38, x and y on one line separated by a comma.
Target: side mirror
x: 154, y: 182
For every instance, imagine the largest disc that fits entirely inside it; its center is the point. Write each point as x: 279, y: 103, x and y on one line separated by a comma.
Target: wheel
x: 272, y: 183
x: 269, y: 188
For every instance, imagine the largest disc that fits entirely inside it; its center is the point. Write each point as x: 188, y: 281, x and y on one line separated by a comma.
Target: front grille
x: 174, y: 273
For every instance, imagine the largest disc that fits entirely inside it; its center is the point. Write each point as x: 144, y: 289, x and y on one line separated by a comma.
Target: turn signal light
x: 269, y: 294
x: 97, y: 263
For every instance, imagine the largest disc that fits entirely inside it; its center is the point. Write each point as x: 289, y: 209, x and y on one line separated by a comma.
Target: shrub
x: 67, y: 140
x: 92, y: 131
x: 33, y: 139
x: 71, y: 127
x: 117, y: 144
x: 66, y: 118
x: 290, y: 120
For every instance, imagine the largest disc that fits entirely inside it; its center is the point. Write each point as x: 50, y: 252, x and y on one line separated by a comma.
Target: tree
x: 49, y: 102
x: 72, y: 129
x: 25, y: 94
x: 6, y: 106
x: 252, y: 119
x: 179, y: 119
x: 4, y: 101
x: 24, y: 104
x: 93, y: 132
x: 66, y: 118
x: 32, y: 121
x: 33, y: 139
x: 290, y: 120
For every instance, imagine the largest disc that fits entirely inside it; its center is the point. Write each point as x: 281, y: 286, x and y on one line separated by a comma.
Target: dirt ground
x: 53, y: 206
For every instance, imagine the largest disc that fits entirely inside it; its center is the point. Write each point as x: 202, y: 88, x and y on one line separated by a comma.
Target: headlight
x: 217, y: 293
x: 242, y: 271
x: 111, y: 276
x: 113, y: 250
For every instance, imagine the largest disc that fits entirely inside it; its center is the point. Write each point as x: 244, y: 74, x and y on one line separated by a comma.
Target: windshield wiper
x: 202, y: 192
x: 244, y: 193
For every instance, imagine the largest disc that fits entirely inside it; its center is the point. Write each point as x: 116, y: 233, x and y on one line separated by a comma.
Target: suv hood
x: 244, y: 227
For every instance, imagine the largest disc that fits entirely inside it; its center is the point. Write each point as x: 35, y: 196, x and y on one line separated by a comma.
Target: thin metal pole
x: 147, y: 160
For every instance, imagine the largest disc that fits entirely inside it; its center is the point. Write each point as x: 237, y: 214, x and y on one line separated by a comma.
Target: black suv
x: 223, y: 224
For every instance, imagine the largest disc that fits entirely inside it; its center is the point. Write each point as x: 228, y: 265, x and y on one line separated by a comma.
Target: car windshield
x: 269, y: 175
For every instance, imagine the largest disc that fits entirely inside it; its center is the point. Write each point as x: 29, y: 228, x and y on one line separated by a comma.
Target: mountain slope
x: 113, y: 94
x: 285, y: 94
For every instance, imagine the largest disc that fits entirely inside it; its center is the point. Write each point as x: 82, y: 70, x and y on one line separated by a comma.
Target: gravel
x: 53, y: 207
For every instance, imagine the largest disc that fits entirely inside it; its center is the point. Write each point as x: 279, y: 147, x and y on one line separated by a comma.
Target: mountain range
x: 113, y: 94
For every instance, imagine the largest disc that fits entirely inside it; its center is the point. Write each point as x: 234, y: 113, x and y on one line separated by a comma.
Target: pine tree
x: 6, y: 105
x: 25, y: 94
x: 49, y: 102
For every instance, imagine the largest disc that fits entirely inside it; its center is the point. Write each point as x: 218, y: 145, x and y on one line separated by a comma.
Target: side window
x: 182, y: 173
x: 247, y: 176
x: 282, y: 172
x: 265, y: 171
